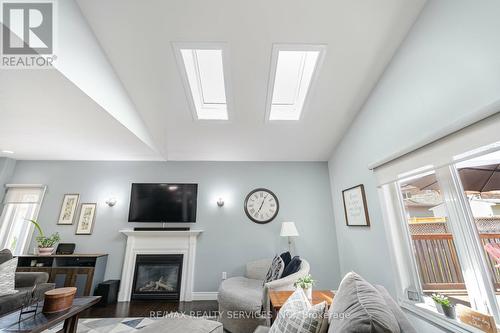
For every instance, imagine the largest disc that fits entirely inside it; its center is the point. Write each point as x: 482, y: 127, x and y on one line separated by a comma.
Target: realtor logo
x: 27, y: 34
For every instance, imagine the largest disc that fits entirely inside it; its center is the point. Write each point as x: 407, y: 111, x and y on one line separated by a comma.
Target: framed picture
x: 355, y: 208
x: 86, y: 219
x: 68, y: 209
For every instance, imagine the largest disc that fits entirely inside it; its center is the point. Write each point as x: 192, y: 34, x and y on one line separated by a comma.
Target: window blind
x: 479, y: 138
x: 20, y: 194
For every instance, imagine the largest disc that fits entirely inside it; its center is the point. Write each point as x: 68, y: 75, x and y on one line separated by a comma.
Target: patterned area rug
x: 108, y: 325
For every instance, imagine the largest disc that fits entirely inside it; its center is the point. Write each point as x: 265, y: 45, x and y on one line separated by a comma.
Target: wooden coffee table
x: 42, y: 321
x: 278, y: 298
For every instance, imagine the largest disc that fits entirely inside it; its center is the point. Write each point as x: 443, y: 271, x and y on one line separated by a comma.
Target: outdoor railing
x: 438, y: 262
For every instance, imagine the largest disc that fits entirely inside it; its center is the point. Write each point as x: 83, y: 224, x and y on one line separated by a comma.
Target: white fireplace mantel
x: 160, y: 242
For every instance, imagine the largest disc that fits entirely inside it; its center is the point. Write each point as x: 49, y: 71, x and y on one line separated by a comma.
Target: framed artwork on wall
x: 86, y: 219
x: 355, y: 208
x: 68, y: 209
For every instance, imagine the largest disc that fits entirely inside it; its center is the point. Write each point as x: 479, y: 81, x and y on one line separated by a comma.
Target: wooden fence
x: 438, y: 262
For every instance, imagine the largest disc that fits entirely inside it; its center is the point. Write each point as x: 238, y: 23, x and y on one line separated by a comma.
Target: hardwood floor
x: 151, y: 309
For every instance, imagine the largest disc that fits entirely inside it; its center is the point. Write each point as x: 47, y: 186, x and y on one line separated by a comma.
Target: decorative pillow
x: 297, y: 315
x: 287, y: 257
x: 323, y: 328
x: 359, y: 308
x: 275, y: 270
x: 7, y: 277
x: 292, y: 267
x: 404, y: 324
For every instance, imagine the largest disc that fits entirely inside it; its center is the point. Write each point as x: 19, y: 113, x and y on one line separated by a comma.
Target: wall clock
x: 261, y: 205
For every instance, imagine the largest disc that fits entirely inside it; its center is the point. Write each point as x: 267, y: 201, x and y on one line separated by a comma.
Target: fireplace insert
x: 157, y: 276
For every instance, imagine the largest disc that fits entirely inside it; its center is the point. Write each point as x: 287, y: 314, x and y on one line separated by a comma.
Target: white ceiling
x: 136, y: 36
x: 45, y: 116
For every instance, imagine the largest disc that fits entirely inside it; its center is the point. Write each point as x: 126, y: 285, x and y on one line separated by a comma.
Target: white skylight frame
x: 295, y: 111
x: 205, y: 111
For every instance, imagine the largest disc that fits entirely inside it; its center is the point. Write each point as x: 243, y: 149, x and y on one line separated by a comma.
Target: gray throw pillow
x: 359, y: 308
x: 297, y: 315
x: 8, y: 277
x: 276, y: 269
x: 404, y: 324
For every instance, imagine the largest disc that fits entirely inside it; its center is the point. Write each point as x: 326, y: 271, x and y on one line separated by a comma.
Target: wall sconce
x: 111, y: 202
x: 220, y: 202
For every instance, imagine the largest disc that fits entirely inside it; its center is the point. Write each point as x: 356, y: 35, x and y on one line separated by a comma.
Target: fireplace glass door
x: 157, y: 276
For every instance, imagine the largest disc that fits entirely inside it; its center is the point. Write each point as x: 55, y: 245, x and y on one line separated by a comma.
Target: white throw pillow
x: 297, y: 315
x: 276, y: 269
x: 7, y: 277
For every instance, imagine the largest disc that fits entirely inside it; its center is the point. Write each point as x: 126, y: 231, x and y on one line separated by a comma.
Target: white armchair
x: 242, y: 298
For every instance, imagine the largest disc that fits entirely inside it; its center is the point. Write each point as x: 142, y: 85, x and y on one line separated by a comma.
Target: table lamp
x: 289, y: 230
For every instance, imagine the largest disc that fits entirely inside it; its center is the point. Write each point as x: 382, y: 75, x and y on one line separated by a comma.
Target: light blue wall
x: 446, y: 70
x: 7, y: 166
x: 229, y: 238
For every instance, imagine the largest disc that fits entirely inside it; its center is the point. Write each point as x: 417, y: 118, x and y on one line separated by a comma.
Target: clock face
x: 261, y: 205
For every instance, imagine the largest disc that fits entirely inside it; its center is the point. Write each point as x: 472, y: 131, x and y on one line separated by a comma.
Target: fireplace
x: 157, y: 276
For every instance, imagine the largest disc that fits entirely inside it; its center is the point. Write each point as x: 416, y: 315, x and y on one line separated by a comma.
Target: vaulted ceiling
x: 137, y: 109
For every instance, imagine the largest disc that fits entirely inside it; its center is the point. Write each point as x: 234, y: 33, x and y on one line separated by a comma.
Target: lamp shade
x: 288, y: 229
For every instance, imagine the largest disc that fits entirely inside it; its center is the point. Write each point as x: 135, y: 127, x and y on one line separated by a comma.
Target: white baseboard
x: 205, y: 295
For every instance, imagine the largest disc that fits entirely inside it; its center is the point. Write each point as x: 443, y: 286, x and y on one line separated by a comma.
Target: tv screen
x: 172, y: 203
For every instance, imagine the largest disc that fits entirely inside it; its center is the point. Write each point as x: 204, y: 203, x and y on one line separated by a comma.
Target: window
x: 293, y: 70
x: 428, y: 225
x: 480, y: 180
x: 449, y: 216
x: 21, y: 203
x: 441, y: 212
x: 204, y: 72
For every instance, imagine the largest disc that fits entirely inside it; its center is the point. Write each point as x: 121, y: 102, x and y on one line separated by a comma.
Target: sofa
x: 367, y: 309
x: 242, y: 299
x: 25, y: 282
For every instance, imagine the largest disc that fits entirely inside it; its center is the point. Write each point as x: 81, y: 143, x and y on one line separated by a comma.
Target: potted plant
x: 45, y: 244
x: 444, y: 306
x: 306, y: 283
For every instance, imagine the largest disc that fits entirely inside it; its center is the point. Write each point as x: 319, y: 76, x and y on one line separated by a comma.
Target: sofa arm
x: 30, y: 279
x: 286, y: 283
x: 42, y: 288
x: 257, y: 270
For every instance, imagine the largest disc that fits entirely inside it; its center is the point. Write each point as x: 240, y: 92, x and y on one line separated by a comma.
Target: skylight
x: 292, y: 74
x: 204, y: 76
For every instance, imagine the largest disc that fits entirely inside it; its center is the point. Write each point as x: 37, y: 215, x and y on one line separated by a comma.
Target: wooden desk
x: 278, y: 299
x: 42, y: 321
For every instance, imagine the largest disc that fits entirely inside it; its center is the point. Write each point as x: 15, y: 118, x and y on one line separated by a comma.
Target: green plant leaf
x: 37, y: 226
x: 305, y: 282
x: 41, y: 239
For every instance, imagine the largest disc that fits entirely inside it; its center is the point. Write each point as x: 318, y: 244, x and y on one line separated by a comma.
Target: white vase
x: 439, y: 308
x: 308, y: 292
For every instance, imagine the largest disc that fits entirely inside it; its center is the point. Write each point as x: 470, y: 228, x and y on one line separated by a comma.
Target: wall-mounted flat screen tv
x: 166, y: 203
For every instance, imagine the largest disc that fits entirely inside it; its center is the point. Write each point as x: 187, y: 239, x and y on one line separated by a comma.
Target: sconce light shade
x: 220, y: 202
x: 111, y: 202
x: 288, y: 229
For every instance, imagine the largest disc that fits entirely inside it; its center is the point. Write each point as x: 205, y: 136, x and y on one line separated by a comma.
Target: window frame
x: 484, y: 295
x: 30, y: 227
x: 277, y: 47
x: 478, y: 280
x: 226, y: 63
